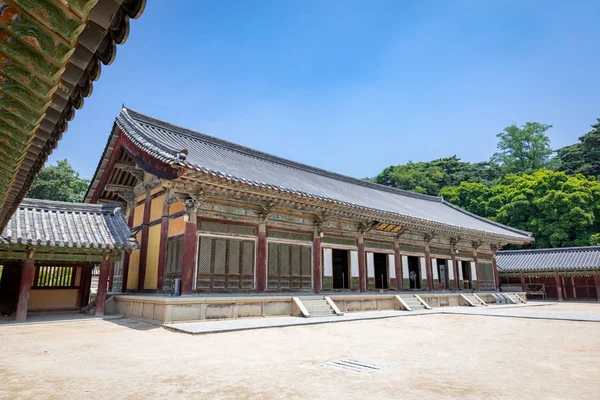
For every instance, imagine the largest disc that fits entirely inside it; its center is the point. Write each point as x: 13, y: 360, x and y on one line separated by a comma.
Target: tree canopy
x: 431, y: 177
x: 525, y: 149
x: 59, y: 182
x: 582, y: 157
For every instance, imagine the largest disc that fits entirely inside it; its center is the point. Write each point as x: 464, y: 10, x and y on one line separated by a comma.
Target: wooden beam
x: 111, y: 187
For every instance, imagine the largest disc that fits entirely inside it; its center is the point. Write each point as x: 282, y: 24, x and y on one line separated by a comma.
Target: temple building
x: 224, y: 218
x: 567, y: 273
x: 48, y: 250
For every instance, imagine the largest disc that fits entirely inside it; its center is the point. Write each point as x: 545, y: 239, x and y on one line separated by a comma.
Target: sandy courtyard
x: 429, y: 356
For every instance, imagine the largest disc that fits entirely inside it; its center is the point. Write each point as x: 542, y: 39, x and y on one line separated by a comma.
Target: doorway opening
x: 380, y: 261
x: 340, y: 262
x: 466, y: 272
x: 443, y: 273
x: 414, y: 274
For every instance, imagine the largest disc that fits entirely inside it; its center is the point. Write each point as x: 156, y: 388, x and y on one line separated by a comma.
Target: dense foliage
x: 59, y: 182
x: 557, y: 199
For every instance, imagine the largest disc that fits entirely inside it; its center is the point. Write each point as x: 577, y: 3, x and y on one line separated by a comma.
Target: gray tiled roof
x: 238, y: 163
x: 61, y: 224
x: 566, y: 258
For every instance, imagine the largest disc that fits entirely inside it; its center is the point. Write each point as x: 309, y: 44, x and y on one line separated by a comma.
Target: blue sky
x: 352, y: 86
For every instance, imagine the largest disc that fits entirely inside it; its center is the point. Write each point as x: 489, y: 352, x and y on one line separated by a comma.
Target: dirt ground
x: 428, y: 356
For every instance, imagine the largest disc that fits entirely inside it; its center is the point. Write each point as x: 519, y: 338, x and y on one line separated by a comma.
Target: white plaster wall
x: 450, y: 270
x: 404, y: 267
x: 327, y: 262
x: 353, y: 263
x: 423, y: 268
x: 434, y: 268
x: 473, y: 271
x: 460, y: 275
x: 370, y: 265
x: 392, y: 265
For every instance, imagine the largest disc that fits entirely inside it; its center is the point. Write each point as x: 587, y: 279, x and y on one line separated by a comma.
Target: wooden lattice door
x: 225, y: 264
x: 289, y: 267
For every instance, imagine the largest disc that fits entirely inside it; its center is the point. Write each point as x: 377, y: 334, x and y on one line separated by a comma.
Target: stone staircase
x: 317, y: 306
x: 515, y: 298
x: 413, y: 302
x: 473, y: 300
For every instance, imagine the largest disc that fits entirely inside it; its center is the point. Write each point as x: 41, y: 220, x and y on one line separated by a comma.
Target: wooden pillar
x: 317, y: 260
x: 261, y: 258
x: 102, y: 285
x: 190, y: 243
x: 597, y: 284
x: 127, y: 253
x: 162, y: 247
x: 428, y: 266
x: 362, y: 267
x: 558, y: 286
x: 27, y: 272
x: 523, y: 282
x: 398, y: 266
x: 144, y: 240
x: 453, y: 243
x: 495, y: 269
x: 84, y: 285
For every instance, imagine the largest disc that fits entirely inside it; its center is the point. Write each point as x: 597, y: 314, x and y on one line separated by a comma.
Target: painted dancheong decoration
x: 51, y: 52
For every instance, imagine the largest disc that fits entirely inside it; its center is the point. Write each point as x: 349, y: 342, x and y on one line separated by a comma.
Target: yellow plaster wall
x: 156, y: 207
x: 138, y: 215
x: 176, y: 207
x: 176, y: 227
x: 151, y: 278
x: 53, y: 299
x: 134, y: 265
x: 156, y: 190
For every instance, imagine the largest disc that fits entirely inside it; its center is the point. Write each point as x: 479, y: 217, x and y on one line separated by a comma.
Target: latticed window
x: 289, y: 267
x: 117, y: 277
x: 174, y: 262
x: 50, y: 276
x: 225, y: 264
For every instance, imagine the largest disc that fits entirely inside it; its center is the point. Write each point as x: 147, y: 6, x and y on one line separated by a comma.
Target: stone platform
x: 167, y: 309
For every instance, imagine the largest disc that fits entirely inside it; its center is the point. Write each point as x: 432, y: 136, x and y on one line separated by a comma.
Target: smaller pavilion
x: 47, y: 252
x: 567, y: 273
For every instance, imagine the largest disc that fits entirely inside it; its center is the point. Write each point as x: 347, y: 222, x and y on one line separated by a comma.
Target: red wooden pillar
x: 162, y: 247
x: 398, y: 266
x: 597, y: 284
x: 127, y: 253
x: 27, y: 273
x: 190, y: 242
x: 558, y: 286
x: 317, y: 261
x: 261, y: 258
x: 362, y: 268
x: 102, y: 286
x: 428, y: 267
x: 495, y: 270
x: 84, y: 285
x: 144, y: 240
x: 523, y: 282
x: 455, y: 268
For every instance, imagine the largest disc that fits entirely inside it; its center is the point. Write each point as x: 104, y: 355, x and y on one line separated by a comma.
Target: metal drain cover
x: 354, y: 365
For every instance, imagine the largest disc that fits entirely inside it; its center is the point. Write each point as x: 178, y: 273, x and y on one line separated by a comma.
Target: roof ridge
x: 55, y: 205
x: 550, y: 250
x: 274, y: 159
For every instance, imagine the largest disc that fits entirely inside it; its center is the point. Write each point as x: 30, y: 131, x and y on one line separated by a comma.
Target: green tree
x: 59, y: 182
x: 583, y: 157
x: 560, y: 210
x: 431, y: 177
x: 525, y: 149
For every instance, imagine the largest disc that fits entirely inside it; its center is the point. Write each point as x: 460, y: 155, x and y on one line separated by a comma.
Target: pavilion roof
x: 52, y: 52
x: 230, y: 161
x: 61, y: 224
x: 559, y: 259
